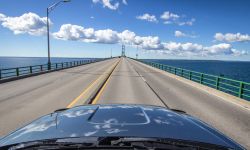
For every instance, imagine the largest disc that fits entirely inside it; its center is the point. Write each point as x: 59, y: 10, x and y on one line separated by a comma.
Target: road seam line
x: 157, y: 95
x: 104, y: 85
x: 85, y: 90
x: 203, y: 89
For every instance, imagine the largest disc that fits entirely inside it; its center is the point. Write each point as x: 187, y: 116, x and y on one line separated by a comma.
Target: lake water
x: 238, y: 70
x: 13, y: 62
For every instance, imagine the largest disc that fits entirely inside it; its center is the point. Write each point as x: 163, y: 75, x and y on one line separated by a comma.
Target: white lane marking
x: 222, y: 98
x: 143, y: 79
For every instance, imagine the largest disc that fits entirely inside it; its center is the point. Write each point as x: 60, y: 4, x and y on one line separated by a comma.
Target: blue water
x: 238, y: 70
x: 13, y: 62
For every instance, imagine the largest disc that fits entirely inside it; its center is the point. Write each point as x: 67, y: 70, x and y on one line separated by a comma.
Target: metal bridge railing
x: 28, y: 70
x: 230, y: 86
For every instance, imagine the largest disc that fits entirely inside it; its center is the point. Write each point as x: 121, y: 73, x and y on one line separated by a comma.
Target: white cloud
x: 172, y: 18
x: 169, y: 16
x: 92, y: 17
x: 2, y: 17
x: 74, y: 33
x: 181, y: 34
x: 34, y: 25
x: 189, y: 22
x: 29, y: 23
x: 108, y: 4
x: 79, y: 33
x: 193, y: 49
x: 127, y: 37
x: 125, y: 2
x: 106, y: 36
x: 147, y: 17
x: 183, y: 48
x: 230, y: 37
x: 222, y: 48
x: 147, y: 43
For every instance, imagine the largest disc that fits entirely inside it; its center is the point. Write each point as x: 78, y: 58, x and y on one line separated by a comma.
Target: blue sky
x: 180, y: 29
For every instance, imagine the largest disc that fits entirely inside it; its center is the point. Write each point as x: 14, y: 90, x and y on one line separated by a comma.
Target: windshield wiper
x: 155, y: 143
x: 42, y: 145
x: 115, y: 143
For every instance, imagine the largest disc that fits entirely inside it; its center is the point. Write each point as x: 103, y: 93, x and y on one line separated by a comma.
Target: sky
x: 157, y: 29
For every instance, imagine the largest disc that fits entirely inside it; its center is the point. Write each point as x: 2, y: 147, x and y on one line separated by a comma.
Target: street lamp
x: 49, y: 9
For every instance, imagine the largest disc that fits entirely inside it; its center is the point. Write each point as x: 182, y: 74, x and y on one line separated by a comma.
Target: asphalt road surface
x: 131, y: 82
x: 128, y: 85
x: 24, y: 100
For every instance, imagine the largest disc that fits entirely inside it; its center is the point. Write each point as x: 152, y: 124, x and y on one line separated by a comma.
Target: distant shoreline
x: 139, y: 58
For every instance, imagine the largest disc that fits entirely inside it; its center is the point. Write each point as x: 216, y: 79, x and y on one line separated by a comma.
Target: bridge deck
x: 131, y: 82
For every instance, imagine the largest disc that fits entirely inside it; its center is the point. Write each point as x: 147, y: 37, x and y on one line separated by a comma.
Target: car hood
x: 118, y: 120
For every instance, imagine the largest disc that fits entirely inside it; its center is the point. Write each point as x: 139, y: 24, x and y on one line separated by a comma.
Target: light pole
x: 49, y: 9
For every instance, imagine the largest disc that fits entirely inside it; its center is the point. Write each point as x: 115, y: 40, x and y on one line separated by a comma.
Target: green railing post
x: 48, y: 66
x: 207, y: 79
x: 62, y: 65
x: 41, y: 68
x: 201, y: 78
x: 241, y: 89
x: 30, y: 69
x: 0, y: 74
x: 56, y: 65
x: 217, y: 82
x: 17, y: 71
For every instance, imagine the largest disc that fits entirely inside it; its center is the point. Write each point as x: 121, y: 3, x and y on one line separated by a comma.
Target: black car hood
x: 118, y: 120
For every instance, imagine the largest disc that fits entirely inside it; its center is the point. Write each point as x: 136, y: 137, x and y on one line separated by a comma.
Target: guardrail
x: 29, y: 70
x: 230, y: 86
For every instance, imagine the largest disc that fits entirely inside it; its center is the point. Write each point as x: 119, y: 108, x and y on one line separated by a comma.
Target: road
x: 24, y: 100
x: 127, y: 85
x: 130, y: 82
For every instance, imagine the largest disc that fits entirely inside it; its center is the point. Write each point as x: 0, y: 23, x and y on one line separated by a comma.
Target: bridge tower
x: 123, y: 51
x: 136, y: 53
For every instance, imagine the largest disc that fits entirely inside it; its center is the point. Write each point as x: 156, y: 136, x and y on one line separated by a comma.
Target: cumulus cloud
x: 182, y: 49
x: 2, y: 17
x: 172, y: 18
x: 230, y: 37
x: 147, y: 17
x: 181, y: 34
x: 108, y: 4
x: 222, y: 48
x: 193, y: 49
x: 147, y: 43
x: 79, y: 33
x: 169, y: 16
x: 29, y: 23
x: 34, y: 25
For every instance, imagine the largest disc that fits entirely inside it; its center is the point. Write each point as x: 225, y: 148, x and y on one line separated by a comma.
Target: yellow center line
x: 102, y: 89
x: 86, y: 90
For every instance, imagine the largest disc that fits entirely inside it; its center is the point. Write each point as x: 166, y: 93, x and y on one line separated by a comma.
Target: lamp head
x: 65, y: 1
